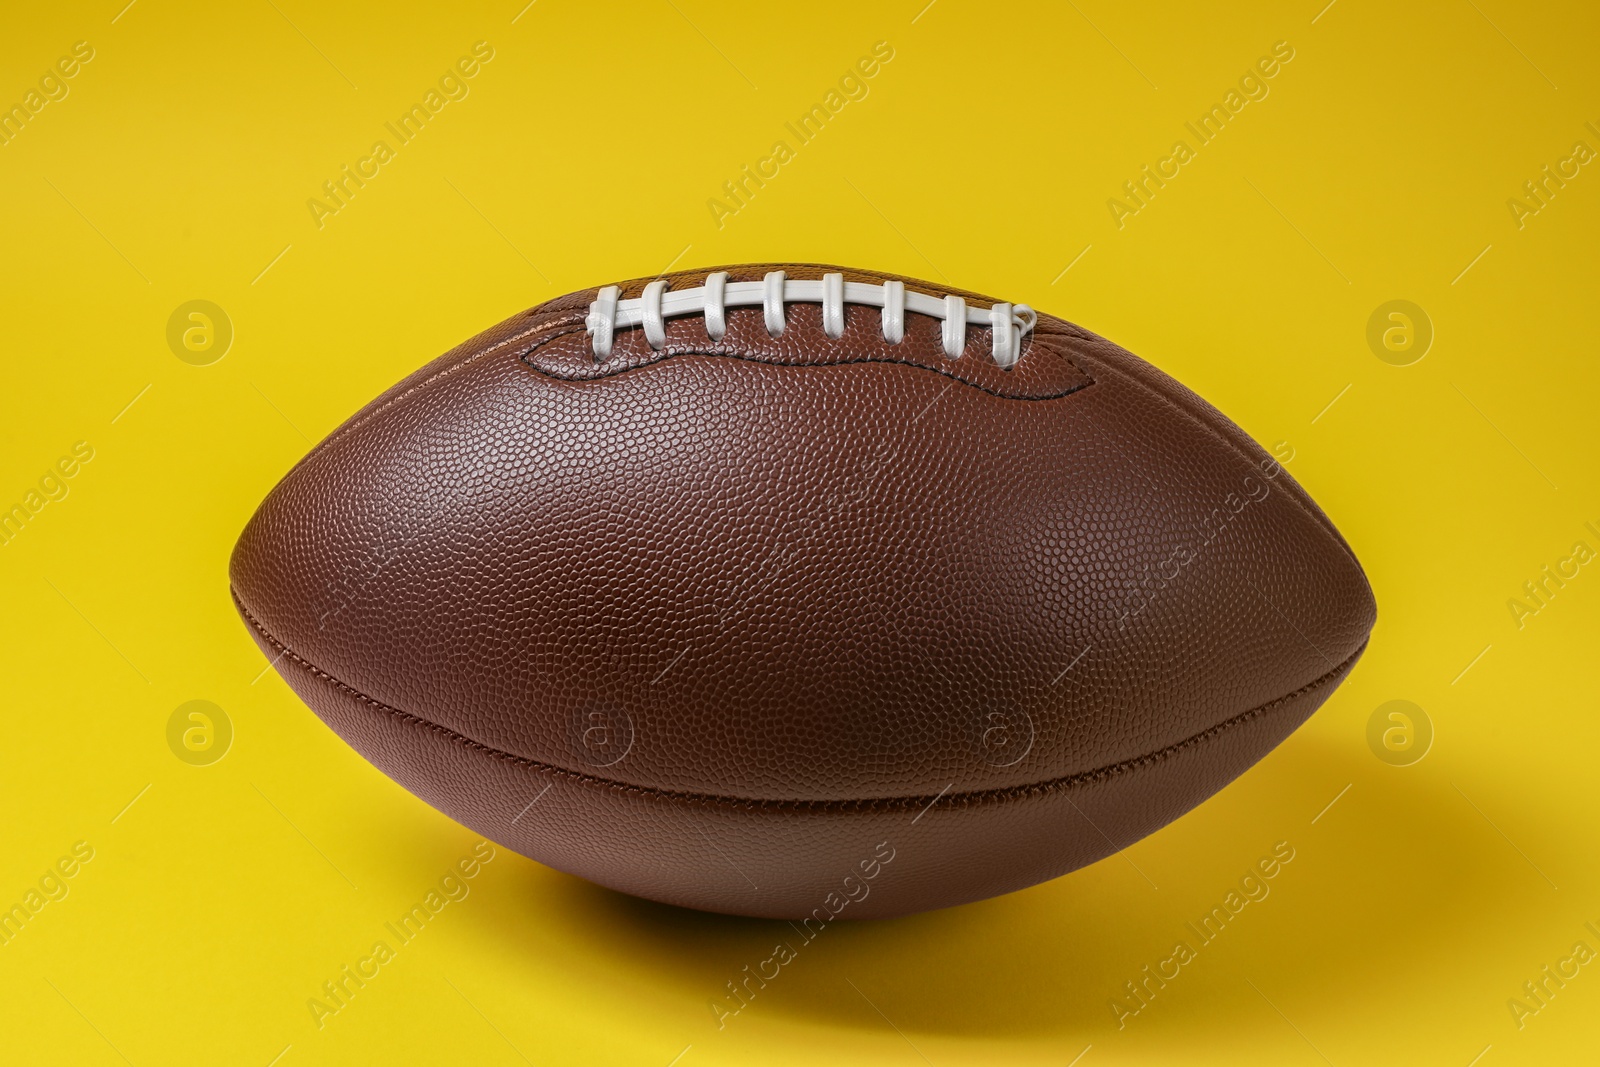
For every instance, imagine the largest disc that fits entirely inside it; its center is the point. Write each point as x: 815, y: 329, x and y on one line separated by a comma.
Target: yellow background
x: 1378, y: 168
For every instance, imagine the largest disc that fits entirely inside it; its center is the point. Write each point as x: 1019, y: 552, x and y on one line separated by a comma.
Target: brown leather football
x: 794, y: 591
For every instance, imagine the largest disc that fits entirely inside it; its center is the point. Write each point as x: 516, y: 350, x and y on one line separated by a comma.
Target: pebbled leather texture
x: 730, y: 615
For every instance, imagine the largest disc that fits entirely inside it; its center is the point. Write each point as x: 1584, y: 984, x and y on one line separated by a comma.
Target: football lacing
x: 607, y: 314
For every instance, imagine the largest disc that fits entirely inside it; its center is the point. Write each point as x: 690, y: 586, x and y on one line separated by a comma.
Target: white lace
x: 1009, y: 322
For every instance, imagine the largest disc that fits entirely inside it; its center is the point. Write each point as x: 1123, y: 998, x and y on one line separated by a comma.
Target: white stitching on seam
x: 955, y: 328
x: 1009, y: 323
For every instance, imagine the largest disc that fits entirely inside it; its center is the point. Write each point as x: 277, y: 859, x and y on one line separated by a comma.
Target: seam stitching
x: 444, y: 372
x: 951, y: 800
x: 1197, y: 418
x: 662, y: 357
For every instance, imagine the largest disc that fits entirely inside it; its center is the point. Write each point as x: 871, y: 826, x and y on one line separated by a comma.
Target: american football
x: 801, y: 592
